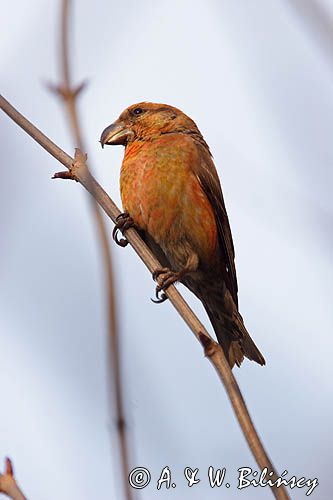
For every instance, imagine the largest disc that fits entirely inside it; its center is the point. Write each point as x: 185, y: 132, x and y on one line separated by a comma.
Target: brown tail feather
x: 232, y: 335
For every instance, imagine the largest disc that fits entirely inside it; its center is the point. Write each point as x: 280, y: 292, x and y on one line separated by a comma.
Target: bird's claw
x: 123, y: 222
x: 160, y: 295
x: 169, y: 278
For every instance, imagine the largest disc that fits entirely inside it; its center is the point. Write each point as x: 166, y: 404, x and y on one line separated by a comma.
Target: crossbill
x: 171, y: 192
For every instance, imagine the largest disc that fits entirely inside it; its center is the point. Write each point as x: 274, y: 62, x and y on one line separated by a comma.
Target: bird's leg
x: 123, y: 222
x: 166, y: 277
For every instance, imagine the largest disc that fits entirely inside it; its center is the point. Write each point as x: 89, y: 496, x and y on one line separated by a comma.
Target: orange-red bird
x: 172, y: 194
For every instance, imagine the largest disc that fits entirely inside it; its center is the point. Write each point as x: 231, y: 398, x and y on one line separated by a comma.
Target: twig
x: 318, y: 20
x: 69, y: 94
x: 8, y: 484
x: 212, y: 349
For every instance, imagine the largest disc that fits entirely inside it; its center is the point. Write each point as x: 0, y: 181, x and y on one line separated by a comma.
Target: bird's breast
x: 163, y: 196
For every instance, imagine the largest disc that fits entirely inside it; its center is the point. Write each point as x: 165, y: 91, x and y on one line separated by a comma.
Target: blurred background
x: 257, y: 79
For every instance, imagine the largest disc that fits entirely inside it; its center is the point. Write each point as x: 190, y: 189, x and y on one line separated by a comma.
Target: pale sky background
x: 259, y: 86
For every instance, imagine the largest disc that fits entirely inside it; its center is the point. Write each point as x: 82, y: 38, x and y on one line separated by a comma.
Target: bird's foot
x: 123, y: 222
x: 165, y: 277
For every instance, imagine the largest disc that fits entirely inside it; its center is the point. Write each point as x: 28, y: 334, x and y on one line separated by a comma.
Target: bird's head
x: 146, y: 120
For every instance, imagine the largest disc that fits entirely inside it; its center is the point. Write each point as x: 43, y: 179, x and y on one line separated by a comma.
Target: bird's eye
x: 137, y: 111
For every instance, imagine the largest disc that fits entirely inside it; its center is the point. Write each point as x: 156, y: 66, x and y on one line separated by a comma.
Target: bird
x: 172, y: 195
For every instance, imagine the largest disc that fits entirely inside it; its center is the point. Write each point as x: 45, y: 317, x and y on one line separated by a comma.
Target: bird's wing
x: 207, y: 175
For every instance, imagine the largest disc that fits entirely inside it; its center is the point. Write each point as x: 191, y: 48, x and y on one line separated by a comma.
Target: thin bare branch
x: 8, y: 484
x: 318, y: 20
x: 212, y: 349
x: 69, y: 95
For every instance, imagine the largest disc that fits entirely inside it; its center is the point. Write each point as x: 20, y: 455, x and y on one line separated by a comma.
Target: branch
x: 8, y: 484
x: 212, y: 349
x: 318, y: 20
x: 69, y: 94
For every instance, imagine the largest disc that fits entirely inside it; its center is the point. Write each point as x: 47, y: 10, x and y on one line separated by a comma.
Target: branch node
x: 8, y: 484
x: 79, y: 162
x: 67, y: 174
x: 121, y: 424
x: 9, y: 469
x: 67, y: 93
x: 79, y: 88
x: 208, y: 344
x: 79, y: 157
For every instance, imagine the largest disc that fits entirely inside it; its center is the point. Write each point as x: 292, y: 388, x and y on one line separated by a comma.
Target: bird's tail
x: 231, y: 333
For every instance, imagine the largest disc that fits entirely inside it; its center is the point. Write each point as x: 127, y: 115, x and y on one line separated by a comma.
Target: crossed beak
x: 116, y: 133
